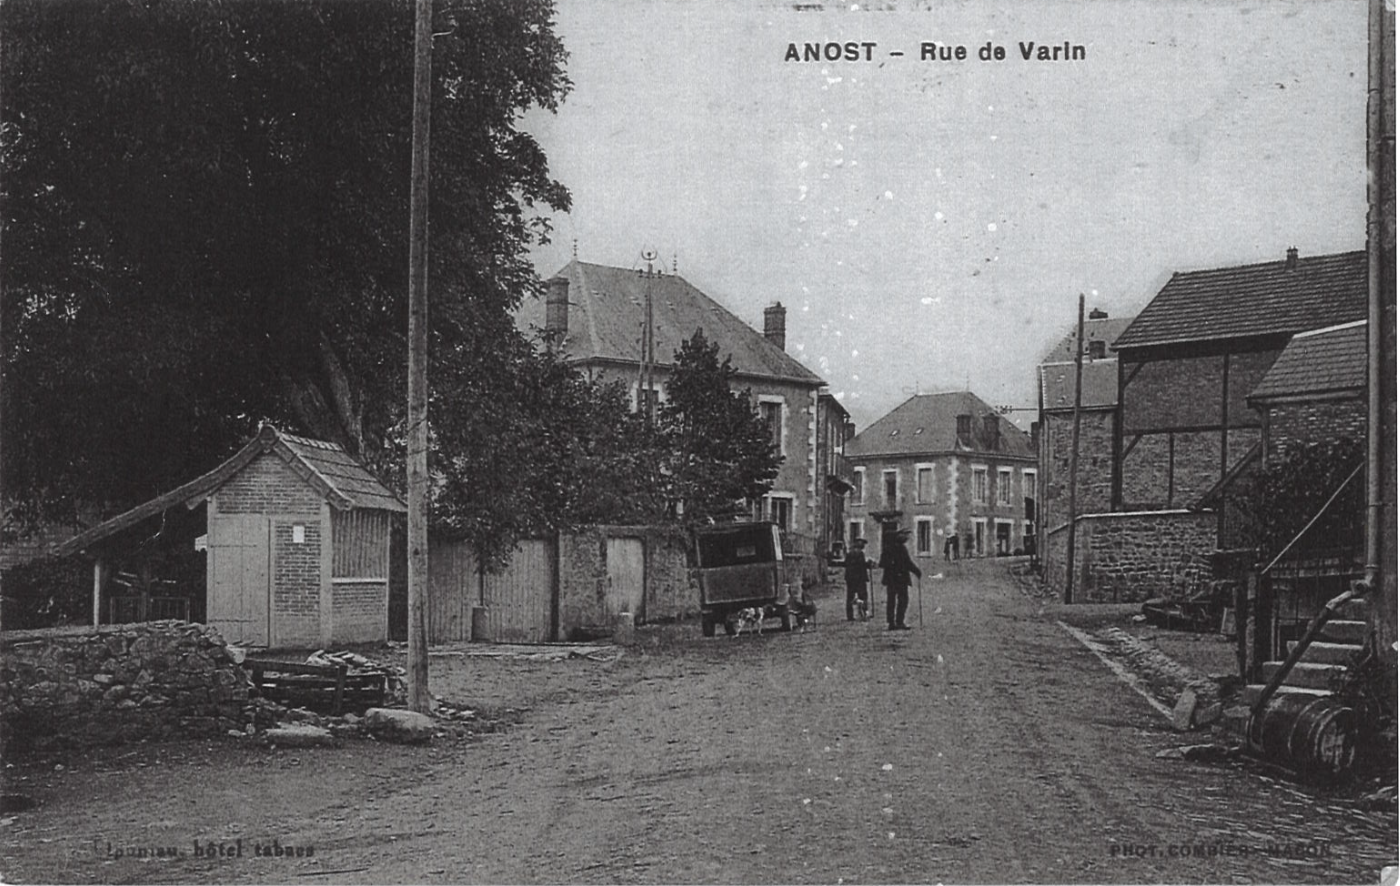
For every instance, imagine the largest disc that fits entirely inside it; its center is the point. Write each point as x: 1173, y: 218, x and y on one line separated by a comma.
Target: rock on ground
x: 298, y: 735
x: 403, y: 727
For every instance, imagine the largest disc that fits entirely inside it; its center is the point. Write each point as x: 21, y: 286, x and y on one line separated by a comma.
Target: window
x: 923, y: 484
x: 979, y: 484
x: 858, y: 486
x: 1003, y: 486
x: 1003, y: 530
x: 923, y: 536
x: 649, y: 397
x: 779, y: 509
x: 770, y: 409
x: 891, y: 478
x: 855, y: 530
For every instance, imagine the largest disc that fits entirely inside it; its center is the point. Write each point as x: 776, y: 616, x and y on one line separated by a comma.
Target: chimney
x: 1035, y: 435
x: 556, y: 306
x: 965, y: 430
x: 1098, y: 314
x: 991, y: 431
x: 1292, y: 261
x: 775, y: 325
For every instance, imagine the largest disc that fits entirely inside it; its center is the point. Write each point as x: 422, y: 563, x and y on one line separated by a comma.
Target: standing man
x: 897, y: 567
x: 857, y: 579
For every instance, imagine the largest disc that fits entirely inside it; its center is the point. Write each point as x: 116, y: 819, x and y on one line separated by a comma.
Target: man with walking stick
x: 897, y: 567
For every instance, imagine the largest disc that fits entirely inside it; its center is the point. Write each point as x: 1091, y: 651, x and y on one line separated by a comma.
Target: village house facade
x: 944, y: 466
x: 595, y: 315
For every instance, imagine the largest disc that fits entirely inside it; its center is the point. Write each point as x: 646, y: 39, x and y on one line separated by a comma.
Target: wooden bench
x: 317, y: 686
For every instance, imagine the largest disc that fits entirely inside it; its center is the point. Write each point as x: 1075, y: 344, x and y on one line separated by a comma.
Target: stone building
x: 1098, y: 413
x: 834, y: 428
x: 1315, y: 391
x: 1184, y: 430
x: 596, y: 314
x: 1188, y: 362
x: 943, y: 466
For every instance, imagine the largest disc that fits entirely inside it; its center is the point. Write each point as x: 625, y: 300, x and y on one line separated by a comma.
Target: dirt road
x: 986, y: 745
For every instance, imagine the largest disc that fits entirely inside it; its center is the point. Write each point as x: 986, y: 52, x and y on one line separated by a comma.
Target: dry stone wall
x: 1130, y: 557
x: 85, y: 686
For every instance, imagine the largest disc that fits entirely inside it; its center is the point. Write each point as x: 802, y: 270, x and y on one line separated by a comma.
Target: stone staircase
x: 1324, y: 663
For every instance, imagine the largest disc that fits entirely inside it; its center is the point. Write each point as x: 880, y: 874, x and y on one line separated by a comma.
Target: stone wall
x: 85, y: 686
x: 1095, y: 475
x: 1130, y: 557
x: 669, y: 591
x: 1315, y: 422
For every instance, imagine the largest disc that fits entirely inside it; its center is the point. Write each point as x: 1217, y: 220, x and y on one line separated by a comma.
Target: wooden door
x: 625, y: 576
x: 239, y: 586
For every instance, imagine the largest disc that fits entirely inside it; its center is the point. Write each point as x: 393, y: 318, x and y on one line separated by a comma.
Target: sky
x: 930, y: 224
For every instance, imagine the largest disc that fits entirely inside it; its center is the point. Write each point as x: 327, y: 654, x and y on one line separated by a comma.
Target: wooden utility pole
x: 1074, y: 452
x: 418, y: 698
x: 645, y: 378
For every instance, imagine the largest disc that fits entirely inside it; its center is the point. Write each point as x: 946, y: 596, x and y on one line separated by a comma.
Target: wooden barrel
x: 1314, y: 735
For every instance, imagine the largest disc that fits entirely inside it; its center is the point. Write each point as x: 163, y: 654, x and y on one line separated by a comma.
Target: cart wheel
x: 707, y: 625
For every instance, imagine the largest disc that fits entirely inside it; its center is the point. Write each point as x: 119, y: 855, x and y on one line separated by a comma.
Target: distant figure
x: 858, y: 568
x: 950, y: 546
x: 897, y: 568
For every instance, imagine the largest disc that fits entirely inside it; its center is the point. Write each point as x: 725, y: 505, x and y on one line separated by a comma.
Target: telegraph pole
x: 645, y: 378
x: 1074, y: 452
x: 418, y: 697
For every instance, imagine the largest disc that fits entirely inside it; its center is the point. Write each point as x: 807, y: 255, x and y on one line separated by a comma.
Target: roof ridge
x: 1339, y: 326
x: 1280, y: 262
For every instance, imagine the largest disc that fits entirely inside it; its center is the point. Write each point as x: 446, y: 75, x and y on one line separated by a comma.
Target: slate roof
x: 928, y: 423
x: 1106, y: 330
x: 606, y: 310
x: 325, y: 466
x: 1252, y: 300
x: 1099, y: 385
x: 1319, y: 362
x: 342, y: 474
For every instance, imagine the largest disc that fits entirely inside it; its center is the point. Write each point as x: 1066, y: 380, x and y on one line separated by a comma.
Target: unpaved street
x: 985, y: 746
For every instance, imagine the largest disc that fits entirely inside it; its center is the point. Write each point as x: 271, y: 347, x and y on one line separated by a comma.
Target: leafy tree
x: 204, y: 212
x: 718, y: 452
x: 1278, y: 501
x: 544, y: 449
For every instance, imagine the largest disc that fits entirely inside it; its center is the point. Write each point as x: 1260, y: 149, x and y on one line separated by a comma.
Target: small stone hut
x: 297, y: 540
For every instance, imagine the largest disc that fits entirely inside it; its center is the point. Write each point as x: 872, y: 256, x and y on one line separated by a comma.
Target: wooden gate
x: 520, y: 598
x: 239, y: 578
x: 453, y: 591
x: 625, y: 577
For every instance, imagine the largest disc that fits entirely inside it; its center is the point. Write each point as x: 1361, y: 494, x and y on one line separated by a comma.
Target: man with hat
x: 857, y: 579
x: 897, y: 567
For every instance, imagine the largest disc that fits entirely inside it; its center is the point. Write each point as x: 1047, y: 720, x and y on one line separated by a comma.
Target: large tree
x: 205, y: 225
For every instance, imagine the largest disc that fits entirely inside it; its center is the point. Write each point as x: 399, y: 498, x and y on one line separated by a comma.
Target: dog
x: 863, y: 608
x: 748, y: 619
x: 803, y: 611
